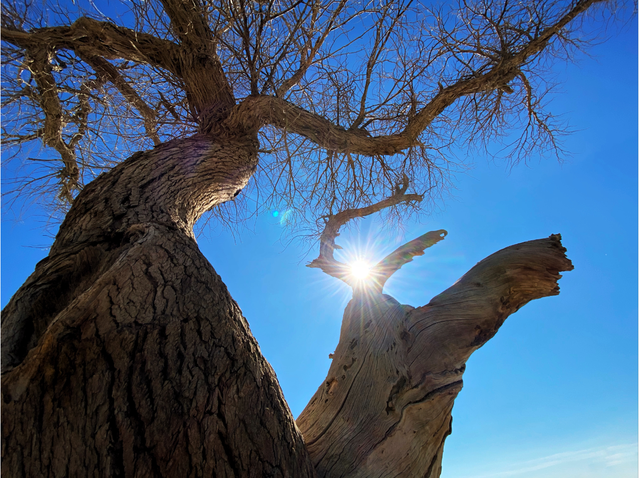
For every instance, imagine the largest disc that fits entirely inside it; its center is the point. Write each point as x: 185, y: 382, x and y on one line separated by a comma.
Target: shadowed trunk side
x: 125, y: 355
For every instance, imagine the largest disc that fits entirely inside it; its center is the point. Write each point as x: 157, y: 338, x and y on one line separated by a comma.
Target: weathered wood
x: 384, y: 409
x: 404, y: 254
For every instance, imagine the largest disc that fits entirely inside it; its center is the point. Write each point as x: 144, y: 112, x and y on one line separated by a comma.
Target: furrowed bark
x: 384, y: 409
x: 125, y: 355
x: 172, y: 185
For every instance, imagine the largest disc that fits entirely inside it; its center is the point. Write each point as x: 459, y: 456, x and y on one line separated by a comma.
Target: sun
x: 360, y: 269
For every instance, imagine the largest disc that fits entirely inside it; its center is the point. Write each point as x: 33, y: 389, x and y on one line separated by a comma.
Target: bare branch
x: 381, y: 39
x: 53, y: 125
x: 309, y: 52
x: 254, y: 112
x: 388, y: 266
x: 345, y: 96
x: 498, y: 76
x: 93, y: 38
x: 326, y: 261
x: 206, y: 86
x: 106, y: 70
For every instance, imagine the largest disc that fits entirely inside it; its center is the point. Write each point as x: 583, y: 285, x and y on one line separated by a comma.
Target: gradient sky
x: 555, y: 392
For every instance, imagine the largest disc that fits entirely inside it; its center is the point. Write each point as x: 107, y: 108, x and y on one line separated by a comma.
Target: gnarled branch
x: 40, y: 67
x: 207, y: 89
x: 256, y: 111
x: 92, y: 37
x: 327, y: 262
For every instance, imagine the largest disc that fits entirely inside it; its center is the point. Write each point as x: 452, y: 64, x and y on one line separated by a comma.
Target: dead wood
x: 384, y: 409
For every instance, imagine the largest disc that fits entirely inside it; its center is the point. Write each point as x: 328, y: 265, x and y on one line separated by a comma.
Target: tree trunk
x: 124, y: 354
x: 384, y: 409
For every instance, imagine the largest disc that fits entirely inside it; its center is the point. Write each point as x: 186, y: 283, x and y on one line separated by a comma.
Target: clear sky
x: 555, y: 392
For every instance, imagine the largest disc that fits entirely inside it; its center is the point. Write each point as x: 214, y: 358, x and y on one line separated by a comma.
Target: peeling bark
x: 384, y: 409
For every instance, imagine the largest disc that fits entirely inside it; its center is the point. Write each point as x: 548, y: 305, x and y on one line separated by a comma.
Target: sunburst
x: 360, y: 269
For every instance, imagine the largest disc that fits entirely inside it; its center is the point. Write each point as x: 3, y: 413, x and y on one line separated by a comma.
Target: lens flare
x: 360, y: 270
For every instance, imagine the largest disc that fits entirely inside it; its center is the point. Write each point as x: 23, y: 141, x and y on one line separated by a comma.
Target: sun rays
x: 360, y: 269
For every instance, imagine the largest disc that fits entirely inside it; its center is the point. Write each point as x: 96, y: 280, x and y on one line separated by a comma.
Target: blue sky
x: 555, y: 393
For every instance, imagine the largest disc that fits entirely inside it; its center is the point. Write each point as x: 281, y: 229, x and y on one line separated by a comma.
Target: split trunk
x: 123, y: 354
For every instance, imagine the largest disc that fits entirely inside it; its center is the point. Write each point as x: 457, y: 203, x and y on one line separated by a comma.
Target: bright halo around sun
x: 360, y: 269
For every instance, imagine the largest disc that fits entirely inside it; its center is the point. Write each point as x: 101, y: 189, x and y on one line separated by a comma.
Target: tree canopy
x: 348, y: 98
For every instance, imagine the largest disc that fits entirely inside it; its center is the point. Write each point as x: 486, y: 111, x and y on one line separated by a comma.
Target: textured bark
x: 124, y: 354
x: 384, y: 409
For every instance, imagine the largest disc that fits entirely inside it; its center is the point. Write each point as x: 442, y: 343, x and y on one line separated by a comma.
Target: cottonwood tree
x: 123, y: 354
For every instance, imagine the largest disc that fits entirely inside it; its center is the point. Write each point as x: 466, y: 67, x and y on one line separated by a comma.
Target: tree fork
x: 384, y: 409
x: 143, y: 363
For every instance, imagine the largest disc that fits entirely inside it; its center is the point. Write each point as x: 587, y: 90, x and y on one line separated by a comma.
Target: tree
x: 123, y: 354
